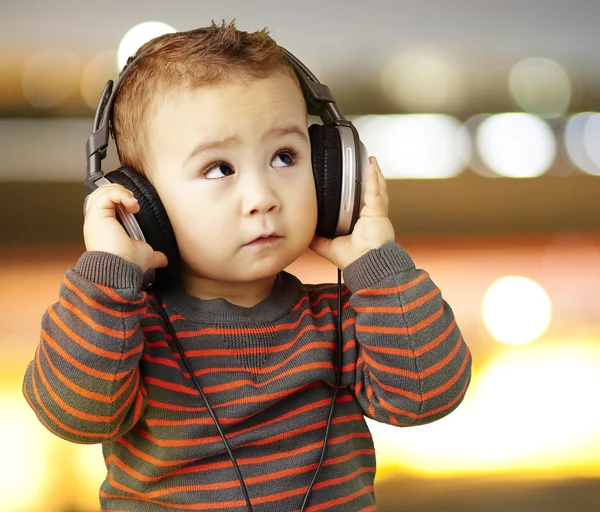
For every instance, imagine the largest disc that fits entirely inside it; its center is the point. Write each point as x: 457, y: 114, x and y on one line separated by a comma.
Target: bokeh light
x: 516, y: 145
x: 516, y: 310
x: 591, y: 138
x: 50, y: 77
x: 424, y: 80
x: 94, y: 76
x: 540, y: 86
x: 515, y: 418
x: 25, y: 455
x: 421, y: 146
x: 574, y: 139
x: 139, y: 35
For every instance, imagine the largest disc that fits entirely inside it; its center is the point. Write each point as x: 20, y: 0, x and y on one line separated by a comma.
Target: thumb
x: 321, y: 246
x: 159, y: 259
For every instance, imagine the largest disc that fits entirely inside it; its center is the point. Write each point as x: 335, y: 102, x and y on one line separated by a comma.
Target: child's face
x: 231, y: 163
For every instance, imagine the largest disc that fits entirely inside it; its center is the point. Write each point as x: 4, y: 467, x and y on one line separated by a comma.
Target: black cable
x: 214, y: 417
x: 211, y: 412
x: 338, y: 374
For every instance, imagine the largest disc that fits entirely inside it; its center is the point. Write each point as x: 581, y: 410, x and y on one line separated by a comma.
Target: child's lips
x: 264, y: 241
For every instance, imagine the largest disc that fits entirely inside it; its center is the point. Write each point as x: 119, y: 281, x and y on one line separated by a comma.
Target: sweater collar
x: 283, y: 297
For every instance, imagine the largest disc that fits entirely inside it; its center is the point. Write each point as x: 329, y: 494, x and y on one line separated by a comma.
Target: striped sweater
x: 106, y: 371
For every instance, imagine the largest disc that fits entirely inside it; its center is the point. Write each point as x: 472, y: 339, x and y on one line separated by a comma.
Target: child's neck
x: 241, y: 294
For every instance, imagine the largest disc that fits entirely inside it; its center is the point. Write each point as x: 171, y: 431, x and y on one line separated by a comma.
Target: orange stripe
x: 418, y: 351
x: 397, y: 391
x: 116, y: 297
x: 262, y: 499
x: 231, y: 369
x: 411, y: 329
x: 282, y: 375
x: 80, y: 366
x: 433, y: 392
x: 98, y: 435
x: 395, y: 410
x: 82, y: 391
x: 345, y: 499
x: 268, y: 440
x: 400, y: 309
x: 118, y: 356
x: 100, y: 307
x: 266, y: 350
x: 388, y: 369
x: 448, y: 384
x: 449, y: 404
x: 394, y: 289
x: 44, y: 422
x: 161, y: 360
x: 97, y: 327
x: 306, y: 428
x: 419, y: 374
x: 207, y: 420
x: 276, y: 475
x: 76, y: 412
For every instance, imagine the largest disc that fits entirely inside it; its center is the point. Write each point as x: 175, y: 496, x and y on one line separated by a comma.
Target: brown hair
x: 194, y: 58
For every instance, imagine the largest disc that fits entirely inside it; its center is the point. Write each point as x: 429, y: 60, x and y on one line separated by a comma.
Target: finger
x: 104, y: 202
x: 159, y: 260
x: 321, y: 246
x: 374, y: 202
x: 383, y: 192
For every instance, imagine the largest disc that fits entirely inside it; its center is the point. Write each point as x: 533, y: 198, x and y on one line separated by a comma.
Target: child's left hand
x: 372, y: 229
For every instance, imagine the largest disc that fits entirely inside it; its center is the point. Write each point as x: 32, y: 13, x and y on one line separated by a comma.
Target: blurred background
x: 485, y: 118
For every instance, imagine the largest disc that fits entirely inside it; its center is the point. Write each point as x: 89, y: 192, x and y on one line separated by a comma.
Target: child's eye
x: 217, y: 170
x: 285, y: 158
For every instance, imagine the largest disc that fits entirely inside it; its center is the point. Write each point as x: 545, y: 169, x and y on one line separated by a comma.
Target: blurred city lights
x: 137, y: 36
x: 540, y: 86
x: 423, y: 80
x: 418, y: 146
x: 575, y: 143
x: 50, y: 77
x: 516, y: 145
x: 96, y: 72
x: 516, y: 310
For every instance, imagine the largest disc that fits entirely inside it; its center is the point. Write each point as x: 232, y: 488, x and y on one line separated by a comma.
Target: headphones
x: 339, y: 162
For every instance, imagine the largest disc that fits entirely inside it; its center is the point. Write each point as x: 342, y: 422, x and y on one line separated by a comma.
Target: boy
x: 216, y: 121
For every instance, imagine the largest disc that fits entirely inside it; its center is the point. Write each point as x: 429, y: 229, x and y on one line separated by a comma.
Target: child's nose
x: 259, y: 195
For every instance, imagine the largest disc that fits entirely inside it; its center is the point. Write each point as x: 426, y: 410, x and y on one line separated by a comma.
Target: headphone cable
x: 187, y: 364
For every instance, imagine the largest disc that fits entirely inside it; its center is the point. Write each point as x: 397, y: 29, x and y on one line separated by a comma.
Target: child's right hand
x: 103, y: 232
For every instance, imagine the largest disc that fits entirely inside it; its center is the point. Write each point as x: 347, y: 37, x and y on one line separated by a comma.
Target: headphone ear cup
x: 326, y: 154
x: 152, y: 217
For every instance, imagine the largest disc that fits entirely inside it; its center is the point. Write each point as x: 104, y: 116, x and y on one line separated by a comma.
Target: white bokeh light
x: 591, y: 139
x: 516, y: 145
x: 420, y: 146
x: 540, y: 86
x: 137, y: 36
x: 516, y: 310
x: 575, y: 143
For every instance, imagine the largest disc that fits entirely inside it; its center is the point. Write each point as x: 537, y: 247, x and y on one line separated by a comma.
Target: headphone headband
x: 318, y: 97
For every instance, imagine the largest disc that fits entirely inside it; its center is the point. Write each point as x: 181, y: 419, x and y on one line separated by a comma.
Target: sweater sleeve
x: 84, y: 381
x: 411, y: 363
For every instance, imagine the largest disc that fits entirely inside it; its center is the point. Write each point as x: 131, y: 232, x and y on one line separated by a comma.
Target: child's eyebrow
x: 277, y: 131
